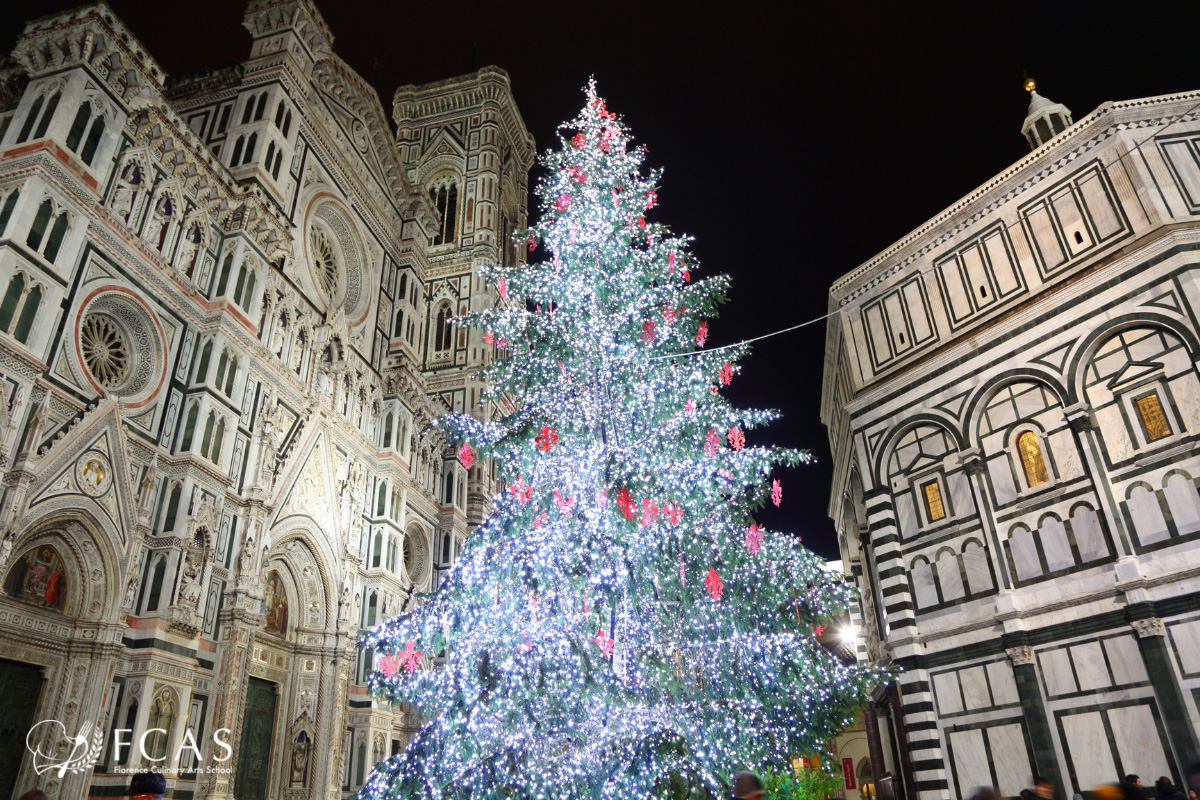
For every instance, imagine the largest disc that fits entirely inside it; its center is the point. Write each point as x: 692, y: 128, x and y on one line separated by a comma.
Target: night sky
x: 798, y: 139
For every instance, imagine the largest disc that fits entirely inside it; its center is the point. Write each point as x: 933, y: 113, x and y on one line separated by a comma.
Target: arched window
x: 6, y: 210
x: 243, y: 291
x: 206, y: 441
x: 51, y: 107
x: 270, y: 154
x: 55, y: 240
x: 279, y: 115
x: 130, y: 721
x: 202, y: 366
x: 251, y: 143
x: 79, y: 126
x: 262, y: 107
x: 287, y: 122
x: 223, y: 281
x: 40, y: 222
x: 446, y: 548
x: 12, y: 298
x: 381, y: 503
x: 34, y: 110
x: 278, y: 161
x: 399, y: 329
x: 372, y: 605
x: 233, y: 368
x: 222, y: 364
x: 387, y: 430
x: 378, y: 551
x: 449, y: 488
x: 443, y: 336
x: 237, y: 150
x: 248, y: 111
x: 156, y: 584
x: 400, y: 295
x: 189, y: 428
x: 28, y: 314
x: 214, y: 453
x: 1030, y: 450
x: 445, y: 203
x: 93, y: 141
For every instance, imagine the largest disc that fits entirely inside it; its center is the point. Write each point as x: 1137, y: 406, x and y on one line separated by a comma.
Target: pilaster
x: 1152, y: 642
x: 1037, y: 722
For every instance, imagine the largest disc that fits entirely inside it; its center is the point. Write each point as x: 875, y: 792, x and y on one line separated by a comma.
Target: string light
x: 620, y: 625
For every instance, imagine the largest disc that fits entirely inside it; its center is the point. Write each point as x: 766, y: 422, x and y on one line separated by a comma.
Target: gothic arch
x: 301, y: 553
x: 888, y: 444
x: 85, y: 544
x: 1087, y: 348
x: 1024, y: 374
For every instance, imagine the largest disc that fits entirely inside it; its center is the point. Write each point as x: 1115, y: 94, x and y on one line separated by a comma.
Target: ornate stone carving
x: 1145, y: 628
x: 1022, y: 655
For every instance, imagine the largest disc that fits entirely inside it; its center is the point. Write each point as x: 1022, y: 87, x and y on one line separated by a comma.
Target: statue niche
x: 275, y: 606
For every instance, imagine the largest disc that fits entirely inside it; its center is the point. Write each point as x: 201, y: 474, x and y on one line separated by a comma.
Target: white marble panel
x: 1147, y: 515
x: 1089, y: 538
x: 1087, y: 748
x: 1066, y: 455
x: 1010, y: 755
x: 1002, y: 479
x: 975, y: 561
x: 1004, y: 686
x: 1184, y: 502
x: 1185, y: 389
x: 960, y: 494
x: 1138, y: 741
x: 945, y: 687
x: 970, y: 760
x: 923, y: 587
x: 1112, y: 430
x: 975, y: 688
x: 1024, y: 554
x: 1186, y: 636
x: 1055, y: 545
x: 906, y: 515
x: 1090, y: 668
x: 950, y: 576
x: 1056, y: 671
x: 1125, y: 660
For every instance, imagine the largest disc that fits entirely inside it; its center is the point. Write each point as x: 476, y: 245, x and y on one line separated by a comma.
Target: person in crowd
x: 746, y: 785
x: 985, y: 793
x: 1165, y: 790
x: 1042, y: 789
x: 34, y: 794
x: 147, y: 786
x: 1134, y: 780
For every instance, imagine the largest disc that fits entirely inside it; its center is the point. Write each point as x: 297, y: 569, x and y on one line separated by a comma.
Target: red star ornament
x: 547, y: 438
x: 713, y: 583
x: 466, y: 456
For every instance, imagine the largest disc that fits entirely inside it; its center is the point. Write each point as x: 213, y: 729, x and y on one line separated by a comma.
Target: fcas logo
x: 67, y: 753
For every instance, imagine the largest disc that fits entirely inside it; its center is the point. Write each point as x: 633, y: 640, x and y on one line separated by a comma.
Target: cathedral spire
x: 1045, y: 119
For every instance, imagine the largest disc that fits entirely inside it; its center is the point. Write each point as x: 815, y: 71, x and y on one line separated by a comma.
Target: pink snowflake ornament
x: 466, y: 456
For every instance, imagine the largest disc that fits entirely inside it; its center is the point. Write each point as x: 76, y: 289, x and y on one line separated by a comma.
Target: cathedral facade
x: 224, y: 303
x: 1013, y: 404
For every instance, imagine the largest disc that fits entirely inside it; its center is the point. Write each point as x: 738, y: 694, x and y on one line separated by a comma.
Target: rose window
x: 325, y: 260
x: 416, y: 555
x: 105, y: 350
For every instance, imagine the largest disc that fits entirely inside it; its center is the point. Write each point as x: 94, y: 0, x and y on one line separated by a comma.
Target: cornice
x: 1107, y: 120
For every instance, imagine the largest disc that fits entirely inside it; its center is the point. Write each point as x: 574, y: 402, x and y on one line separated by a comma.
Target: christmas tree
x: 620, y: 627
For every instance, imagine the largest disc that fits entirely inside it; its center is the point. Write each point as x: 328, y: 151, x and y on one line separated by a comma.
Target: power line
x: 920, y: 273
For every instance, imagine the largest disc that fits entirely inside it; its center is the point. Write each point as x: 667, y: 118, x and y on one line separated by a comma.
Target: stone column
x: 874, y: 743
x: 1083, y: 425
x: 1045, y: 758
x: 973, y: 465
x: 1151, y: 639
x: 916, y: 722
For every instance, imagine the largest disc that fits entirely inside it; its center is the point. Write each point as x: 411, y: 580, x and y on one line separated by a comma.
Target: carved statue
x: 189, y: 585
x: 300, y: 755
x: 343, y: 617
x: 6, y: 546
x: 131, y: 591
x: 146, y: 488
x: 154, y: 228
x: 246, y: 558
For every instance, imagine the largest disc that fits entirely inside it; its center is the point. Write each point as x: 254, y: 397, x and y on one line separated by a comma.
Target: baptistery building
x: 1013, y: 403
x: 224, y: 305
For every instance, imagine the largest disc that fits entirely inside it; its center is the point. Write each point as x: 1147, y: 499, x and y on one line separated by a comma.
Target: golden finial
x: 1030, y: 84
